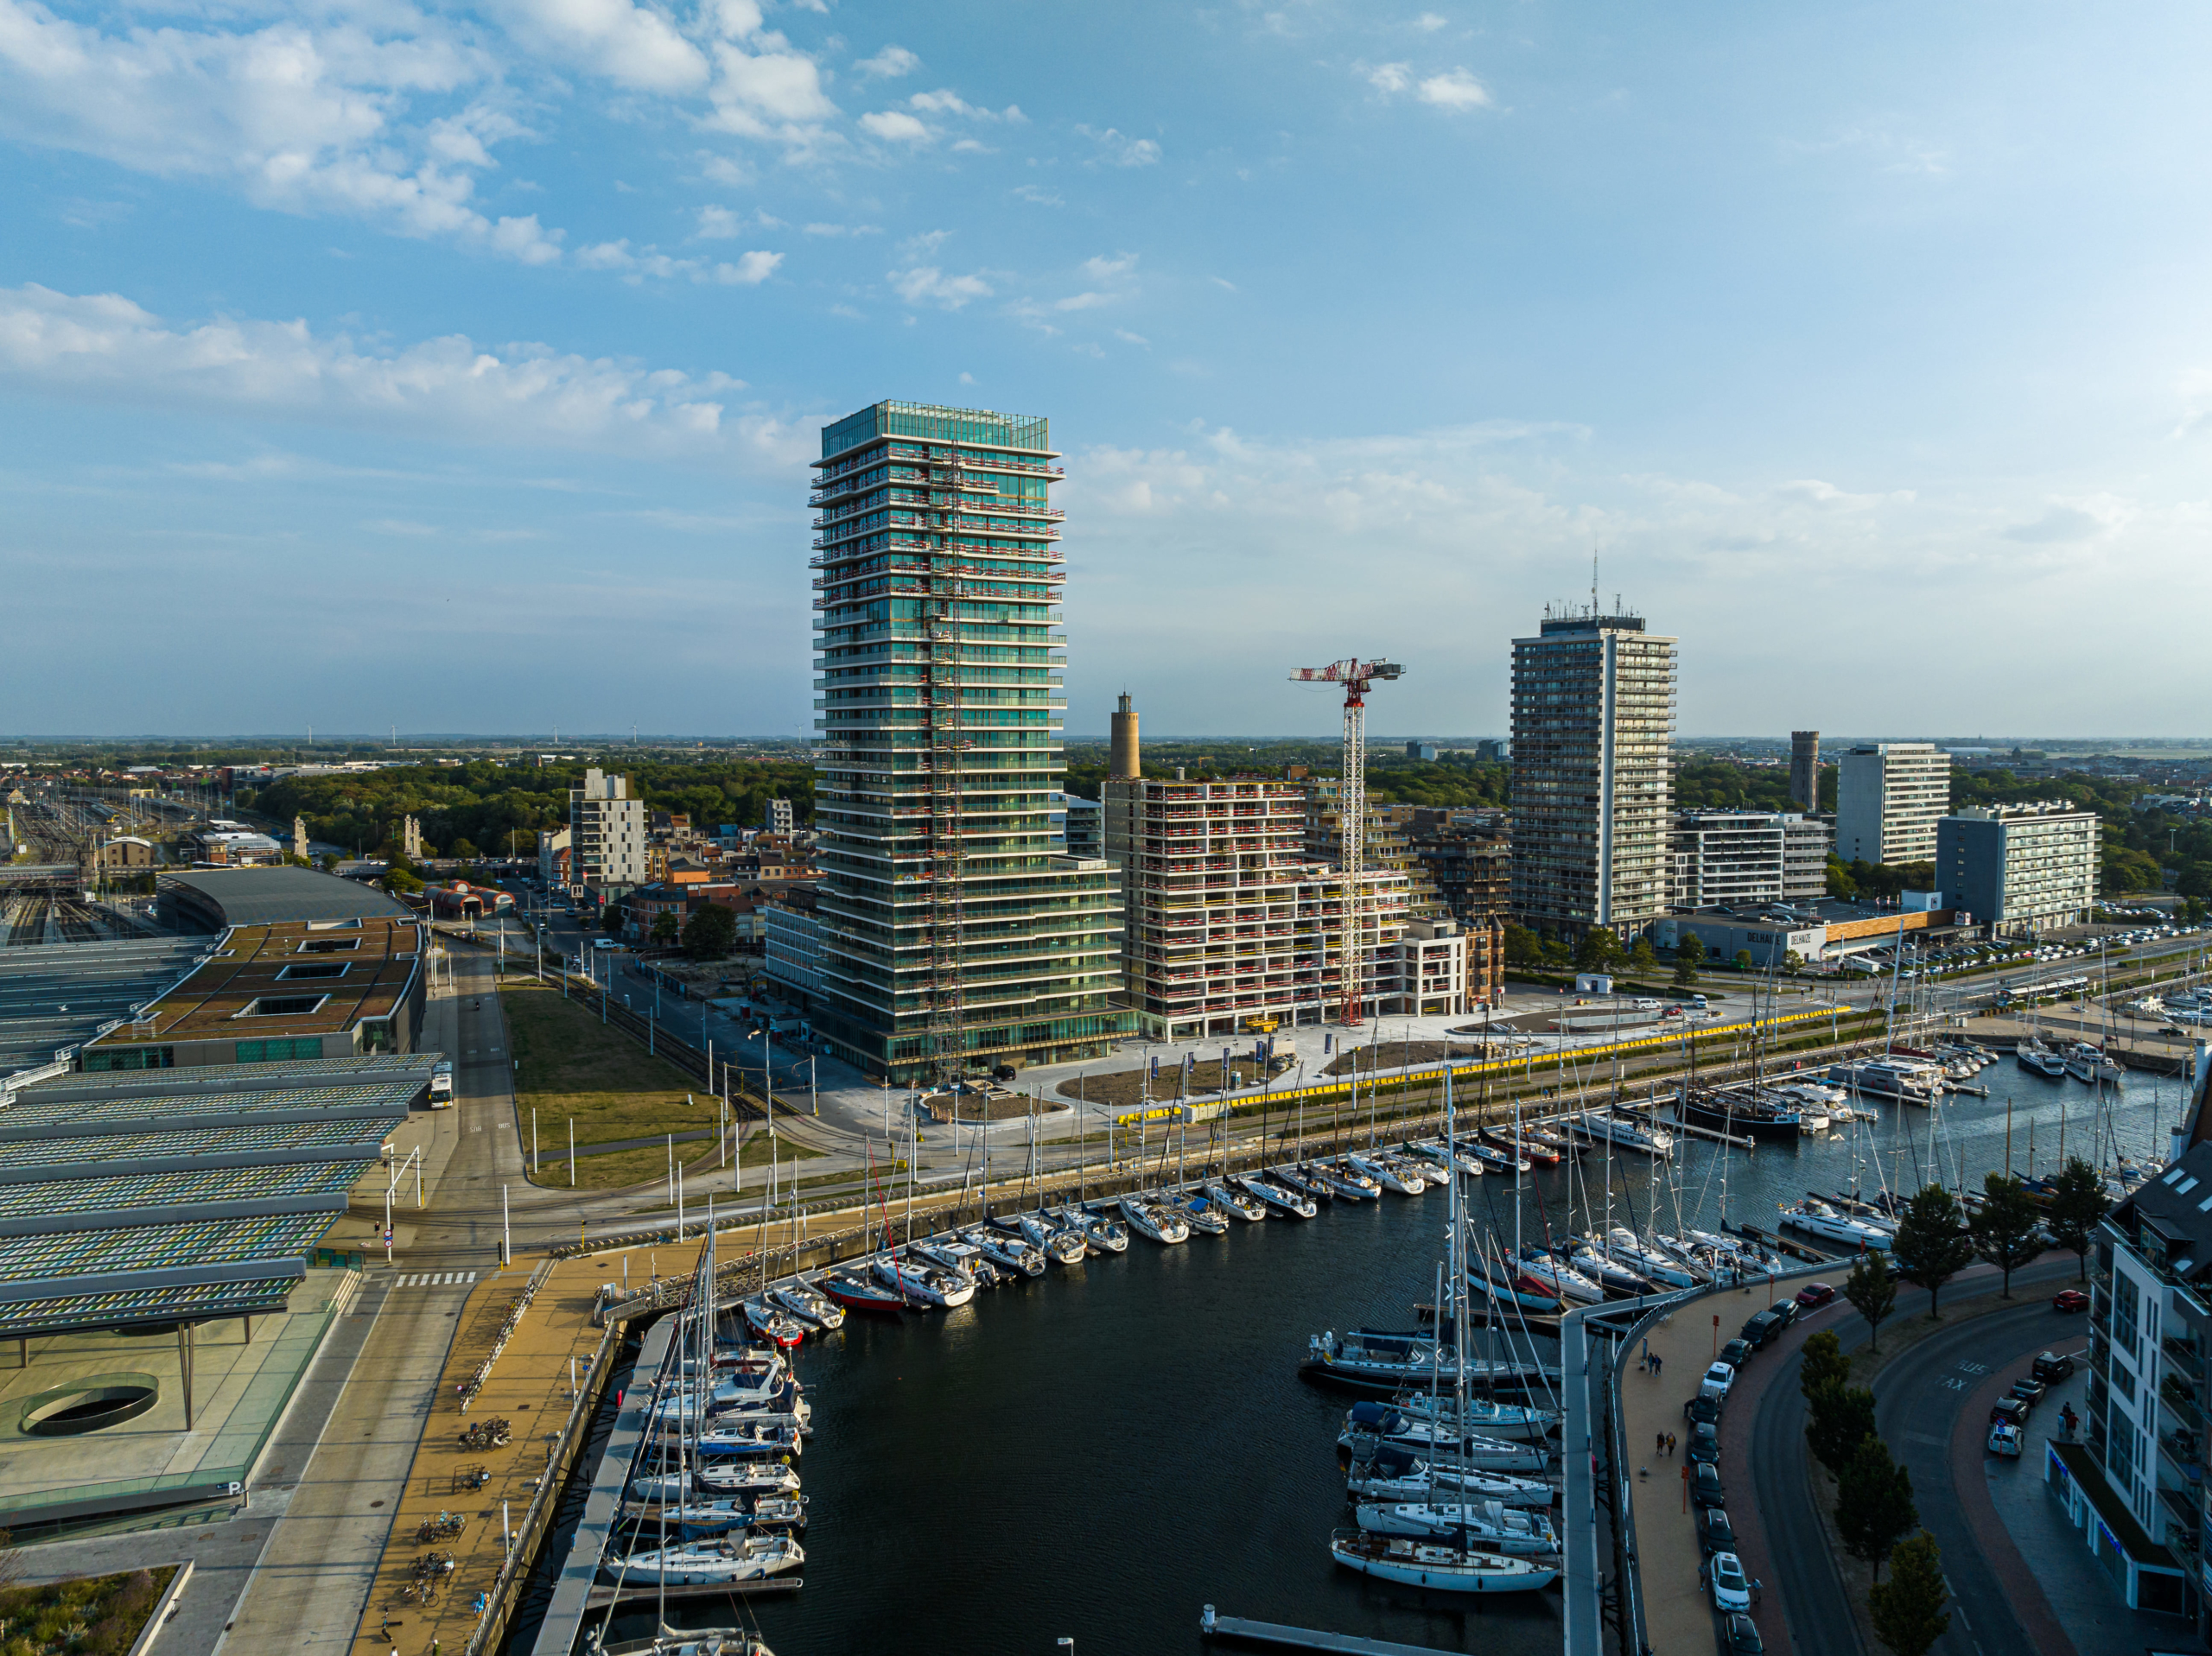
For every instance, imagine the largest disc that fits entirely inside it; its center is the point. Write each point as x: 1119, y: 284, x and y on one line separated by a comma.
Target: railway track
x: 27, y: 920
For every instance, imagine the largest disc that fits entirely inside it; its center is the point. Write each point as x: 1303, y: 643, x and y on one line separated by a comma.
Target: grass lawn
x: 93, y: 1615
x: 573, y: 1067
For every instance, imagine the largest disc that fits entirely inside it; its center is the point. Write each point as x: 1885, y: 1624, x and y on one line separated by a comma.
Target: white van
x: 441, y: 1087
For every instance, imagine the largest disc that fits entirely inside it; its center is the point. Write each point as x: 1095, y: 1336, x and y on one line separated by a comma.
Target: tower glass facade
x: 955, y: 937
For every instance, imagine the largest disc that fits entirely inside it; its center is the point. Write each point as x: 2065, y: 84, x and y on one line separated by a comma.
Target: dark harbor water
x: 1096, y: 1454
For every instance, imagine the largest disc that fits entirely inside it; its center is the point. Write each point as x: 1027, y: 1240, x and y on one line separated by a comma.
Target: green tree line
x: 482, y: 809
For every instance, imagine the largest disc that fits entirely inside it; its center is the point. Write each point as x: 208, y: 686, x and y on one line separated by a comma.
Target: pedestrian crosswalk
x: 435, y: 1280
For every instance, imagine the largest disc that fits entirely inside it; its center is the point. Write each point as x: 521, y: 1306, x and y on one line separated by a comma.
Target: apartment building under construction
x: 954, y: 936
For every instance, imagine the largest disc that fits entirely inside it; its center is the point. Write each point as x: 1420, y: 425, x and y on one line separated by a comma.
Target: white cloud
x: 774, y: 93
x: 1129, y: 338
x: 888, y: 64
x: 1038, y: 194
x: 719, y: 225
x: 1454, y: 89
x: 944, y: 101
x: 844, y: 230
x: 632, y: 46
x: 1103, y: 268
x: 1391, y: 77
x: 1119, y: 150
x: 103, y: 347
x: 1428, y: 22
x: 895, y: 126
x: 301, y: 119
x: 1083, y: 301
x: 927, y: 283
x: 750, y: 270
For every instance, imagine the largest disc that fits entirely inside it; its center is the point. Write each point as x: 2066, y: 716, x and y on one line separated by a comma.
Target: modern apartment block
x: 2135, y: 1482
x: 1748, y: 860
x: 1889, y: 797
x: 606, y: 835
x: 953, y: 936
x: 1076, y: 826
x: 1594, y: 721
x: 1805, y: 769
x: 1468, y: 856
x: 2019, y: 869
x: 1227, y: 919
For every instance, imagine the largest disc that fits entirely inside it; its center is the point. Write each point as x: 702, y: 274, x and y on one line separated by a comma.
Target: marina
x: 1124, y: 1372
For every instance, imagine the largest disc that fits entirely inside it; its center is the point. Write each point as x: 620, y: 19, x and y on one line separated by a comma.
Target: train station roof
x: 144, y: 1197
x: 56, y: 996
x: 217, y: 898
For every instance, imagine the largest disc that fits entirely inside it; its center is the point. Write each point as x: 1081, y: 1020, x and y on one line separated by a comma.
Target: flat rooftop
x: 54, y: 996
x: 301, y: 978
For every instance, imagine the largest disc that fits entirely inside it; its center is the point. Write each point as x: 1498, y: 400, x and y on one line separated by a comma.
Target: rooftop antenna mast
x: 1351, y: 801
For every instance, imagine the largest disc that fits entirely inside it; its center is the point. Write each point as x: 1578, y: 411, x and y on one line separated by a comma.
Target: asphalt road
x: 1917, y: 1406
x: 1915, y: 1410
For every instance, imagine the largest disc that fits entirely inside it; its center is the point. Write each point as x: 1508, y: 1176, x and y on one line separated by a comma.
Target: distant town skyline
x: 464, y: 373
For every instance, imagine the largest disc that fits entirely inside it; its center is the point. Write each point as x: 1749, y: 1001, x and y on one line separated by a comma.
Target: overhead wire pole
x: 1356, y: 676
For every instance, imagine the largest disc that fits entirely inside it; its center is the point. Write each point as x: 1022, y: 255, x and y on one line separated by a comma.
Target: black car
x: 1743, y: 1636
x: 1786, y: 1311
x: 1701, y: 1411
x: 2012, y: 1411
x: 2029, y: 1391
x: 1705, y: 1446
x: 1735, y: 1351
x: 1761, y: 1329
x: 1705, y: 1485
x: 2052, y: 1365
x: 1714, y: 1533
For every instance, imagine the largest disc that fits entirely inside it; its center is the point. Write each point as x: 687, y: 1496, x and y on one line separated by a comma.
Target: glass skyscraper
x: 955, y: 935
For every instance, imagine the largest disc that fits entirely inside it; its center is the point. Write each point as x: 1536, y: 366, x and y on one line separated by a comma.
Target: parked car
x: 1814, y: 1295
x: 1743, y: 1636
x: 1763, y: 1327
x: 2009, y: 1409
x: 1731, y: 1588
x: 1718, y: 1379
x: 1735, y: 1351
x: 2070, y: 1299
x: 2029, y: 1391
x: 1705, y: 1445
x: 1784, y: 1311
x: 1701, y: 1411
x: 2052, y: 1366
x: 1714, y: 1533
x: 2006, y: 1439
x: 1704, y: 1487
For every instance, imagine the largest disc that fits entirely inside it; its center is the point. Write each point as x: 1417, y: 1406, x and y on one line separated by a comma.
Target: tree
x: 1598, y: 950
x: 1523, y: 946
x: 1792, y: 962
x: 1873, y: 1291
x: 1840, y: 1415
x: 2077, y: 1203
x: 398, y: 881
x: 612, y: 918
x: 1932, y: 1245
x: 1873, y: 1503
x: 711, y: 933
x: 665, y: 927
x: 329, y: 864
x: 1822, y: 1364
x: 463, y: 849
x: 1743, y: 960
x: 1908, y: 1609
x: 1641, y: 959
x: 1840, y: 883
x: 1689, y: 954
x: 2004, y: 1232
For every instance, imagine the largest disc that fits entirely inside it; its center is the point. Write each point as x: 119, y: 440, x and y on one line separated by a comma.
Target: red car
x: 1814, y: 1295
x: 2070, y: 1299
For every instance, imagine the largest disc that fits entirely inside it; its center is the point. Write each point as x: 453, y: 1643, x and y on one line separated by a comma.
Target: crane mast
x: 1356, y: 676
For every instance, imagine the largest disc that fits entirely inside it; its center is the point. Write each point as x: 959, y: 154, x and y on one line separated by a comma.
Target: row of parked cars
x: 2008, y: 1416
x: 1722, y: 1572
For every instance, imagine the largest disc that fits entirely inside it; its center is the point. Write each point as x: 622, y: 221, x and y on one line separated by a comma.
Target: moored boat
x: 1434, y: 1564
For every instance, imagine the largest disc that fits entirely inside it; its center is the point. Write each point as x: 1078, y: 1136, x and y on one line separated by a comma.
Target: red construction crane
x: 1355, y: 676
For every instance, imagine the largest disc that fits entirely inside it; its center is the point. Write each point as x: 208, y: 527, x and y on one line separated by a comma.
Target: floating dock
x: 1213, y: 1624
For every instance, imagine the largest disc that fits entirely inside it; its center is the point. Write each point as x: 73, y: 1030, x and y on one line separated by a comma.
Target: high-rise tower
x: 953, y: 936
x: 1593, y: 722
x: 1805, y: 769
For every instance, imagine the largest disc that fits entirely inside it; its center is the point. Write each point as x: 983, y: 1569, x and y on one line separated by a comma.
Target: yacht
x: 854, y: 1292
x: 1517, y: 1421
x: 2089, y: 1063
x: 1340, y: 1178
x: 1532, y: 1145
x: 772, y: 1322
x: 1199, y: 1213
x: 744, y: 1435
x: 1564, y: 1280
x: 1242, y: 1203
x: 1626, y: 1133
x: 1436, y: 1159
x: 2038, y: 1059
x: 718, y: 1516
x: 810, y: 1304
x: 1278, y: 1198
x: 1062, y: 1244
x: 1394, y: 1475
x: 1516, y: 1530
x: 1101, y: 1230
x: 1388, y: 1174
x: 1154, y: 1223
x: 1437, y: 1566
x: 1817, y: 1218
x: 924, y: 1284
x: 681, y: 1641
x: 1015, y: 1252
x: 710, y: 1563
x: 1435, y: 1441
x: 1903, y: 1079
x: 957, y: 1260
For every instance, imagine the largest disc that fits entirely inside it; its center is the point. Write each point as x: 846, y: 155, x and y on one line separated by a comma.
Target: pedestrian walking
x: 1670, y: 1443
x: 1661, y: 1447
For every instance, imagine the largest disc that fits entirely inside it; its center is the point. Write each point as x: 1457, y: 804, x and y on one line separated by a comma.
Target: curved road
x: 1917, y: 1413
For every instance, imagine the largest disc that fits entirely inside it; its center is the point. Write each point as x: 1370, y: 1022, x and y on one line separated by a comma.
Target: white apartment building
x: 1889, y: 797
x: 1748, y: 859
x: 606, y: 835
x: 2021, y: 868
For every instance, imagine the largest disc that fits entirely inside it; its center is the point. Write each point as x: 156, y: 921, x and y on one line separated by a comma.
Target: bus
x: 442, y: 1086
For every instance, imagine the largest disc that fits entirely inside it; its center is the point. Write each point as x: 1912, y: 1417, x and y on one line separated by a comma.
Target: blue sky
x: 370, y: 363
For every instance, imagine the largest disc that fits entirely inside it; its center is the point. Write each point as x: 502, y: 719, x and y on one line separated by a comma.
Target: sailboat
x: 1277, y: 1197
